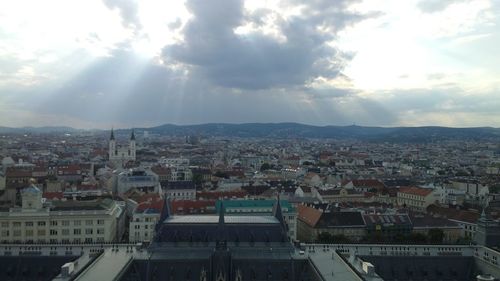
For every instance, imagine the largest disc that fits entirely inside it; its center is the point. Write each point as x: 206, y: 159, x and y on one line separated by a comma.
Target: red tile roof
x: 214, y: 195
x: 308, y: 215
x: 53, y: 195
x: 155, y: 204
x: 368, y: 183
x: 193, y: 206
x: 415, y: 190
x: 454, y: 214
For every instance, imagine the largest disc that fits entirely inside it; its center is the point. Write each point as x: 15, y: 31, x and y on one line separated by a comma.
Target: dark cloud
x: 257, y: 61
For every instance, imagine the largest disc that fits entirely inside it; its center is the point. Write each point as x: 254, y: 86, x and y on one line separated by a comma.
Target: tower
x: 112, y: 145
x: 132, y: 145
x: 120, y: 154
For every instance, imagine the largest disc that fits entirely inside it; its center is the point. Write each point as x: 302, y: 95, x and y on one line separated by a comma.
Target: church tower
x: 132, y: 145
x: 119, y: 155
x: 112, y: 145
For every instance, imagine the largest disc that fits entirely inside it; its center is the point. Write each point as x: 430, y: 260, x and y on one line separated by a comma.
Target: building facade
x: 61, y: 222
x: 416, y: 198
x: 119, y: 155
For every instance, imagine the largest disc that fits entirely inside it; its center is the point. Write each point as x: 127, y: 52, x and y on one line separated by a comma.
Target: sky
x: 130, y: 63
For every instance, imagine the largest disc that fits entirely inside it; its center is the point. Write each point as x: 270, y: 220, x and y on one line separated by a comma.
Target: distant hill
x: 296, y: 130
x: 40, y: 130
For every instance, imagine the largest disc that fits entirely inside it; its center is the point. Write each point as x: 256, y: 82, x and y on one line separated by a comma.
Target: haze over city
x: 98, y: 64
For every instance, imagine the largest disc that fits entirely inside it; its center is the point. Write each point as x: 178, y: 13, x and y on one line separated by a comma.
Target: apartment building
x: 144, y: 219
x: 416, y: 198
x: 60, y: 222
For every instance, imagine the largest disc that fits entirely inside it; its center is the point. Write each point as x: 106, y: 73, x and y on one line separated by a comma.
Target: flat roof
x: 214, y: 219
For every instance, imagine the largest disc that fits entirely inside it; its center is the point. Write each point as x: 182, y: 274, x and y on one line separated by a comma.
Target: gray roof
x: 214, y: 219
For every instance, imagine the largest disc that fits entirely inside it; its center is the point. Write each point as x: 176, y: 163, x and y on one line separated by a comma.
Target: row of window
x: 67, y: 241
x: 52, y: 223
x: 146, y: 226
x: 52, y: 232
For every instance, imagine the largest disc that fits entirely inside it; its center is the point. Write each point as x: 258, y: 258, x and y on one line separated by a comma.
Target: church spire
x: 112, y: 137
x: 277, y: 212
x: 221, y: 213
x: 132, y: 136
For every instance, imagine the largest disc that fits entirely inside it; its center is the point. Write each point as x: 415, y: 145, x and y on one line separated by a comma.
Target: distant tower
x: 132, y: 145
x: 112, y: 145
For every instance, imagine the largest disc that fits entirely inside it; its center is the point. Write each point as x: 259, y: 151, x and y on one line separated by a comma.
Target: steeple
x: 132, y: 136
x: 165, y: 212
x: 221, y: 213
x: 277, y: 212
x: 112, y: 137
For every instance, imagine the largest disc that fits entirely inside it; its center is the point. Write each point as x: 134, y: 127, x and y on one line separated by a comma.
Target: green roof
x: 251, y: 204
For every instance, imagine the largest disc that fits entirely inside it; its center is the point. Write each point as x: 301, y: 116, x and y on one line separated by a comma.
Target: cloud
x: 255, y: 60
x: 434, y: 6
x: 128, y: 11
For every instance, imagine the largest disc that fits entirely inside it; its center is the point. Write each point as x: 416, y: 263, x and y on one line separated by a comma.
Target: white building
x: 138, y: 178
x: 144, y: 219
x: 119, y: 155
x: 62, y: 222
x: 179, y: 190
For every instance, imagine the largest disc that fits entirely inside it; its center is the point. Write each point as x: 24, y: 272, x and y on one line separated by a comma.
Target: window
x: 16, y: 224
x: 77, y: 231
x: 53, y: 232
x: 65, y: 232
x: 41, y: 223
x: 100, y: 239
x: 89, y: 231
x: 17, y: 233
x: 29, y: 232
x: 89, y: 222
x: 77, y: 222
x: 100, y: 222
x: 65, y: 223
x: 28, y: 223
x: 5, y: 233
x: 5, y: 224
x: 100, y: 231
x: 53, y: 223
x: 41, y: 232
x: 88, y: 240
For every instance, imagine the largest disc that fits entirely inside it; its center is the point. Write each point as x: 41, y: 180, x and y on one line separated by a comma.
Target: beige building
x: 416, y: 198
x: 62, y: 222
x: 312, y: 222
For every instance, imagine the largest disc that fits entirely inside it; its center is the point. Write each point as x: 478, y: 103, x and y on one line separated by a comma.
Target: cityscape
x: 147, y: 206
x: 250, y: 140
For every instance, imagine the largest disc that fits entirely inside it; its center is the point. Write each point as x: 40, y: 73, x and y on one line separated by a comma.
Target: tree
x: 417, y: 238
x: 220, y: 174
x: 265, y: 167
x: 324, y: 237
x: 436, y: 236
x: 198, y: 179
